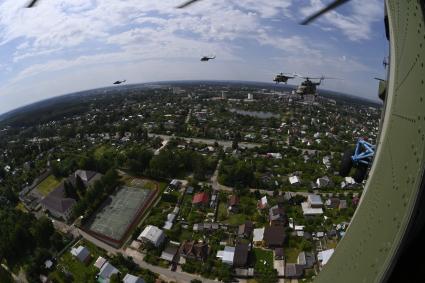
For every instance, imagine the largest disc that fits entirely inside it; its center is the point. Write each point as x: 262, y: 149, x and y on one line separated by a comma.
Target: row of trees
x: 171, y: 163
x: 96, y: 194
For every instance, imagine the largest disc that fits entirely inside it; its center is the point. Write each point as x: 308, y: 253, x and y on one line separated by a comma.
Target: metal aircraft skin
x: 206, y: 58
x: 384, y: 224
x: 119, y: 82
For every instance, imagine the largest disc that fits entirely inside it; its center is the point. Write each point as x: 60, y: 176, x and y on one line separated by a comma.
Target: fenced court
x: 119, y: 213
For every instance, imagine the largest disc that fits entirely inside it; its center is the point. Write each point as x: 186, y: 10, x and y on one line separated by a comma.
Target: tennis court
x: 118, y: 212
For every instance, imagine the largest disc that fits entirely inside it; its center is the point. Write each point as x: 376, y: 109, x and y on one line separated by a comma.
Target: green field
x: 48, y: 185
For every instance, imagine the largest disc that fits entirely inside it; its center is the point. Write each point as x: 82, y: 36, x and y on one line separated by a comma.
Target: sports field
x: 48, y: 185
x: 118, y: 212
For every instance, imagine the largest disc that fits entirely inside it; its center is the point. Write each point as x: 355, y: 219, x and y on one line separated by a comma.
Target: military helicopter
x: 283, y: 78
x: 206, y: 58
x: 309, y: 87
x: 119, y: 82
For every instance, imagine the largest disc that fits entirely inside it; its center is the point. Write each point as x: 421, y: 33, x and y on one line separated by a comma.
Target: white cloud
x: 357, y: 25
x: 61, y: 38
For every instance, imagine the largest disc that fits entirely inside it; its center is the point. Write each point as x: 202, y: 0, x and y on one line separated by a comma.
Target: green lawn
x: 236, y: 219
x: 263, y: 255
x: 80, y: 271
x: 222, y: 211
x: 291, y: 254
x: 48, y: 185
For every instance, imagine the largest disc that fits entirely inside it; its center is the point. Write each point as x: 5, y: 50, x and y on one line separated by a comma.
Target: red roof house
x: 200, y: 199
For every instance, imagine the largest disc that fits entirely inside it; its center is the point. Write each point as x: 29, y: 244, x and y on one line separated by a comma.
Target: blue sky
x: 63, y: 46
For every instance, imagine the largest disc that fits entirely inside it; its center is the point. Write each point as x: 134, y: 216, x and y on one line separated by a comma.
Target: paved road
x: 226, y: 143
x: 168, y: 275
x: 223, y: 143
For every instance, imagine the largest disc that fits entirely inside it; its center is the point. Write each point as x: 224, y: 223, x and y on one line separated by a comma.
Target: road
x: 168, y: 275
x: 223, y: 143
x: 214, y: 181
x: 226, y: 143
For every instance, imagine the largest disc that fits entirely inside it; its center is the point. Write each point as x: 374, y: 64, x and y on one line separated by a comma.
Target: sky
x: 63, y: 46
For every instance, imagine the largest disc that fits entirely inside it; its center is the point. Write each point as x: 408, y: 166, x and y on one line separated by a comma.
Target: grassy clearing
x: 80, y: 271
x: 236, y: 219
x: 48, y: 185
x: 292, y: 254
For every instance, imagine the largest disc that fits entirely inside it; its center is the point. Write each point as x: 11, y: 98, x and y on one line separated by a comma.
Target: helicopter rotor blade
x: 186, y: 4
x: 323, y: 11
x: 31, y: 3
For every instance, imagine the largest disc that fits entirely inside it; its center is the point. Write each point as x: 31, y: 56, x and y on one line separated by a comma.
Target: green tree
x: 115, y: 278
x: 42, y: 230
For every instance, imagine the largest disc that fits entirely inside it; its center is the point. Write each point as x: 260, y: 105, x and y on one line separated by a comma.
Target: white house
x: 106, y: 272
x: 258, y: 235
x: 128, y: 278
x: 314, y: 201
x: 294, y: 180
x: 323, y: 182
x: 227, y: 255
x: 153, y: 235
x: 81, y: 253
x: 310, y: 211
x: 313, y: 206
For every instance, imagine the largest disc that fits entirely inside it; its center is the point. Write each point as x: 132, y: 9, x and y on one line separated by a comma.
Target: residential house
x: 106, y: 272
x: 128, y: 278
x: 332, y: 202
x: 295, y: 180
x: 170, y: 252
x: 327, y: 161
x: 313, y: 206
x: 262, y: 203
x: 293, y: 271
x: 323, y: 182
x: 314, y: 201
x: 277, y: 215
x: 245, y: 230
x: 240, y: 258
x: 258, y: 236
x: 200, y: 199
x: 175, y: 184
x: 100, y: 261
x: 227, y: 255
x: 194, y: 250
x: 274, y: 236
x: 81, y: 253
x: 233, y: 204
x: 58, y: 204
x: 88, y: 177
x: 152, y: 234
x: 306, y: 259
x: 348, y: 183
